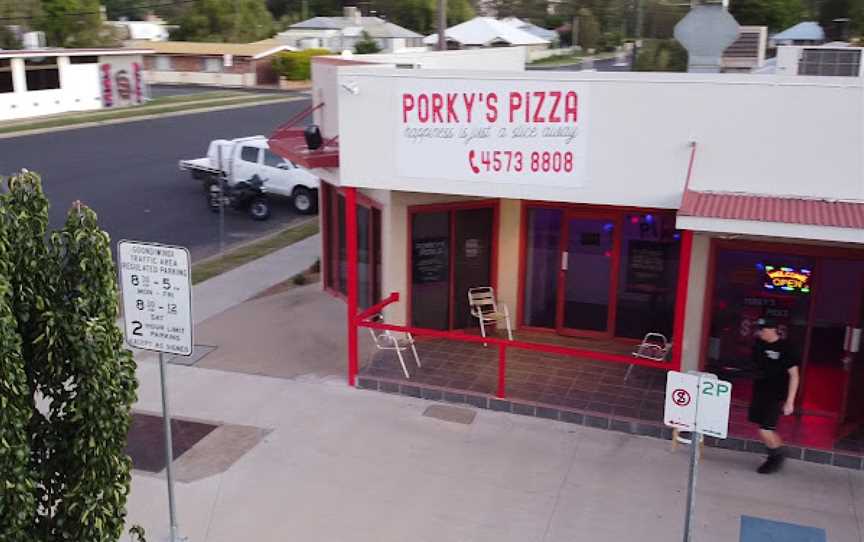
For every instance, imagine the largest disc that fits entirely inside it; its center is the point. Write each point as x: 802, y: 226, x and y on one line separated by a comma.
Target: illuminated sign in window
x: 787, y: 279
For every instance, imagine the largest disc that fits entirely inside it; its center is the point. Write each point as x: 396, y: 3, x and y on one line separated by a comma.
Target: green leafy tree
x: 589, y: 29
x: 8, y: 40
x: 661, y: 56
x: 63, y: 308
x: 775, y: 14
x: 421, y: 15
x: 366, y: 45
x: 73, y: 23
x: 237, y: 21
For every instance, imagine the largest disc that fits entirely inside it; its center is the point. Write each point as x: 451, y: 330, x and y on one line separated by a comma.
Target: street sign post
x: 681, y: 396
x: 156, y: 284
x: 699, y: 403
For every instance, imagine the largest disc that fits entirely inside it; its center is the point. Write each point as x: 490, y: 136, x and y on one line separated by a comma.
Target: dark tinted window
x: 272, y: 160
x: 5, y: 75
x: 42, y: 73
x: 249, y: 154
x: 83, y: 59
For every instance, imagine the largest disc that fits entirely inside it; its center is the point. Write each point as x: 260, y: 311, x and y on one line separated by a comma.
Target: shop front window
x: 600, y: 273
x: 648, y: 277
x: 451, y: 252
x: 335, y: 264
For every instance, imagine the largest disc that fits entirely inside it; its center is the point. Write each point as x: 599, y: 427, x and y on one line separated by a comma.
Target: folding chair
x: 386, y: 340
x: 654, y: 346
x: 487, y: 310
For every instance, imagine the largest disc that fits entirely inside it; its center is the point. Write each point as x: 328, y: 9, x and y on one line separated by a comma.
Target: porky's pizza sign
x: 522, y: 132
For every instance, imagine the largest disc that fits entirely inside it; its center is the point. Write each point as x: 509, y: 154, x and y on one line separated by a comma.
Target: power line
x: 97, y: 12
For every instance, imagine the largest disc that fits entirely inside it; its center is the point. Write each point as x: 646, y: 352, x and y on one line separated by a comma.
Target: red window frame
x: 450, y: 208
x: 615, y: 213
x: 329, y: 198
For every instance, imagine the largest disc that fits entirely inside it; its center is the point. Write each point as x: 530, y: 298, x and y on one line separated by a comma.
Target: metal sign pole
x: 221, y: 201
x: 169, y: 453
x: 689, y: 533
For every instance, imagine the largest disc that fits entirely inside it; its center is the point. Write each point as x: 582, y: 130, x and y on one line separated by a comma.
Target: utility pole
x: 442, y: 25
x: 637, y: 38
x: 304, y: 10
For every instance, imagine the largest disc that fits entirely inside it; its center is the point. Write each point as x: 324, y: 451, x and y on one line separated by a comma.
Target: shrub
x: 367, y: 45
x: 661, y: 56
x: 296, y: 65
x: 299, y: 279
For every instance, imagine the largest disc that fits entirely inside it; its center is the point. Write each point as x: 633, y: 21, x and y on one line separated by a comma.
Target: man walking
x: 774, y: 390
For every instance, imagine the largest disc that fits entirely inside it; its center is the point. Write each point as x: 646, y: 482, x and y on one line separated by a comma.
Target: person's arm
x: 789, y: 405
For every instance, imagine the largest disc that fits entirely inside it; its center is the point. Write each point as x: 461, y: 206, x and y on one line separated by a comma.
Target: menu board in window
x: 431, y: 260
x: 646, y: 266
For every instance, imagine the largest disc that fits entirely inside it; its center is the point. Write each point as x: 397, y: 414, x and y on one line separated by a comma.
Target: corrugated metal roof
x: 735, y: 206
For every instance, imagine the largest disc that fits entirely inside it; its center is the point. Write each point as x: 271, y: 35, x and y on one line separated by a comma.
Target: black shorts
x: 765, y: 412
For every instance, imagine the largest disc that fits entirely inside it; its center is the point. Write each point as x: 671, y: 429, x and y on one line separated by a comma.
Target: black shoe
x: 772, y: 464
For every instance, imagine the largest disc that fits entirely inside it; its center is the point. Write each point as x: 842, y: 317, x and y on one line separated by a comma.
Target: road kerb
x: 108, y: 122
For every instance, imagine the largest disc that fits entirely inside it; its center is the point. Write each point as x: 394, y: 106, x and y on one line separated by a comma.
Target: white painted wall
x: 325, y: 72
x: 797, y: 136
x: 80, y: 89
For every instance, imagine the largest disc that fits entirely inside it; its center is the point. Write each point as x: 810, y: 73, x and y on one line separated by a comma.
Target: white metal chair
x: 386, y: 340
x: 485, y: 308
x: 654, y: 346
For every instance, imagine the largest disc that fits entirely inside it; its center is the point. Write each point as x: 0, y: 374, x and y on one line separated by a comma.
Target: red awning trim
x: 289, y: 141
x: 291, y: 144
x: 737, y: 206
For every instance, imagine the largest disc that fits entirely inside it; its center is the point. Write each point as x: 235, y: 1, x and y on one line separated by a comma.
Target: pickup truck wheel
x: 305, y: 200
x: 259, y: 209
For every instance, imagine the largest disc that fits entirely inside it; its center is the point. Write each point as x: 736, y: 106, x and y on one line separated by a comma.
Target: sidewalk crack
x: 560, y: 490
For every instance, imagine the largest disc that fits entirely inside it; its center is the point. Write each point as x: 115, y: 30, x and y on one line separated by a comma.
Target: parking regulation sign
x: 156, y: 283
x: 681, y: 396
x: 715, y: 397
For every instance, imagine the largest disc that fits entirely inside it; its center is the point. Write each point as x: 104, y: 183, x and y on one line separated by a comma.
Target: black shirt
x: 772, y: 362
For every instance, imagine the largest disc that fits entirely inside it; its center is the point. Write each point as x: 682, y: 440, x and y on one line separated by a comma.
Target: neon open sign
x: 787, y: 279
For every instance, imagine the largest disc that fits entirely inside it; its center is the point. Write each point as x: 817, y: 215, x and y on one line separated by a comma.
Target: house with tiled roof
x: 342, y: 33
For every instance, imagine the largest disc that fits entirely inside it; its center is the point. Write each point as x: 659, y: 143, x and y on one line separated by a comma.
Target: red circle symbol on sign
x: 681, y: 397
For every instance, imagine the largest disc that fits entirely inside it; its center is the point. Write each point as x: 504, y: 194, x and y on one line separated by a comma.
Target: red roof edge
x: 761, y: 208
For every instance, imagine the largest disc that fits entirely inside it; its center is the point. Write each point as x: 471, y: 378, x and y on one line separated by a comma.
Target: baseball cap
x: 764, y: 323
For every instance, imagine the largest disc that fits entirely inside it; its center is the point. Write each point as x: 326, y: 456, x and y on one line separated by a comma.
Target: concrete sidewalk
x: 224, y: 291
x: 343, y: 464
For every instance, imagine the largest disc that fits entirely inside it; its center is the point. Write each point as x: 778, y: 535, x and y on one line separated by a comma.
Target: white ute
x: 243, y: 158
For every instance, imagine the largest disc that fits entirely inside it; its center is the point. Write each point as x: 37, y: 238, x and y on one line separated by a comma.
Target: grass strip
x: 139, y: 111
x: 232, y: 259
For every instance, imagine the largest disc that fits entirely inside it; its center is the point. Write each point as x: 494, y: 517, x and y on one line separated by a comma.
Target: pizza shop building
x: 600, y: 208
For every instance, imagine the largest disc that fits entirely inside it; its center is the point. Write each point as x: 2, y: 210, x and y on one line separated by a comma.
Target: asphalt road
x: 128, y: 174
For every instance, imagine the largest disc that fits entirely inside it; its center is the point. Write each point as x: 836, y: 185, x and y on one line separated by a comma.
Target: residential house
x: 217, y: 64
x: 488, y: 32
x: 342, y: 33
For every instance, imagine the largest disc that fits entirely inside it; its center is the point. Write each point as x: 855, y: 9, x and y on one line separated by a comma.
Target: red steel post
x: 681, y: 298
x: 351, y: 256
x: 502, y: 372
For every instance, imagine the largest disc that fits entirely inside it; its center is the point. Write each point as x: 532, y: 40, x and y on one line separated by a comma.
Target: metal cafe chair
x: 654, y: 346
x: 386, y: 340
x: 487, y: 310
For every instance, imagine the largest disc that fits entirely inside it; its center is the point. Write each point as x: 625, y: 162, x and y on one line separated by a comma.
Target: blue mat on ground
x: 765, y: 530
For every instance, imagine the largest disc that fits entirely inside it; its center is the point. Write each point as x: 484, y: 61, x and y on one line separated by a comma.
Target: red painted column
x: 351, y: 257
x: 681, y: 298
x: 502, y: 372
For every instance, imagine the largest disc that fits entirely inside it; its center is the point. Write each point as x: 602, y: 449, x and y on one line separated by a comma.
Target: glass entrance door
x: 853, y: 364
x: 588, y: 273
x: 836, y: 300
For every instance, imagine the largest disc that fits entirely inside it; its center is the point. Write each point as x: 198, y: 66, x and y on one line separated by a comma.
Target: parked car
x: 241, y: 159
